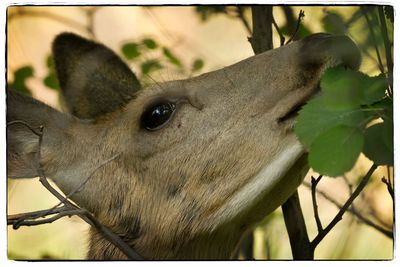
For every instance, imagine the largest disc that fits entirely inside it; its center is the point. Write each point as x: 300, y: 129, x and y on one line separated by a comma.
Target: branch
x: 90, y: 12
x: 314, y: 183
x: 389, y: 186
x: 301, y: 15
x: 339, y: 215
x: 62, y: 213
x: 381, y: 68
x: 354, y: 212
x: 243, y: 20
x: 15, y: 219
x: 296, y: 228
x: 386, y: 42
x: 281, y: 37
x: 261, y: 39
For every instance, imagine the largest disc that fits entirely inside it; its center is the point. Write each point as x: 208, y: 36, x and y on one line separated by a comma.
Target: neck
x: 215, y: 246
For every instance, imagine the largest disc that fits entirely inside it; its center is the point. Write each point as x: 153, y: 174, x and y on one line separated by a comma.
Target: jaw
x: 267, y: 190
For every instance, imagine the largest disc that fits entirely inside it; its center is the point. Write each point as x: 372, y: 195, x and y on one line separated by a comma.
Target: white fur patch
x: 260, y: 184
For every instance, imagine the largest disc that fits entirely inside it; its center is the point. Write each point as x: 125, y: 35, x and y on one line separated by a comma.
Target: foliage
x: 51, y: 80
x: 151, y: 57
x: 336, y: 126
x: 21, y: 76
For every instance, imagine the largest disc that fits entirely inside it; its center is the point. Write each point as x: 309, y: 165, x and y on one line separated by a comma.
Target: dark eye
x: 156, y: 116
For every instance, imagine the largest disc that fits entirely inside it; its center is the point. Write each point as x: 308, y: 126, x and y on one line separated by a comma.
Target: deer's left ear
x: 23, y: 114
x: 94, y: 80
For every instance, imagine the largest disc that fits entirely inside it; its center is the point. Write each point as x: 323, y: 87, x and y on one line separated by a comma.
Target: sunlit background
x: 198, y: 45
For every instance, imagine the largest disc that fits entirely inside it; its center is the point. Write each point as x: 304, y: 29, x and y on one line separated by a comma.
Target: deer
x: 199, y: 160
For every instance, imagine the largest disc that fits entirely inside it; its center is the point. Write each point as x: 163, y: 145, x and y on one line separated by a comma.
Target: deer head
x: 197, y: 160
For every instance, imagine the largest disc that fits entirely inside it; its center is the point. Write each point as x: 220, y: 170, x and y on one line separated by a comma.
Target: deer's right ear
x: 93, y: 79
x: 23, y: 114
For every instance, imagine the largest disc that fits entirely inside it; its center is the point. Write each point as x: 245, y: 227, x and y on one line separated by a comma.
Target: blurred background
x: 167, y: 43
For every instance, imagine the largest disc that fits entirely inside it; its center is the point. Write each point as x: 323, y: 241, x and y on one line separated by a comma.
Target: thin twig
x: 389, y: 187
x: 246, y: 24
x: 381, y: 68
x: 339, y: 215
x: 314, y: 183
x: 386, y: 42
x: 90, y: 18
x: 301, y: 15
x: 354, y: 212
x: 72, y: 209
x: 11, y: 219
x: 59, y: 215
x: 82, y: 185
x: 281, y: 37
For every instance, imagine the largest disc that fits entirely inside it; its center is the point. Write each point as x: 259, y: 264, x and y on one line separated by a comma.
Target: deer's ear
x: 94, y: 80
x: 22, y: 142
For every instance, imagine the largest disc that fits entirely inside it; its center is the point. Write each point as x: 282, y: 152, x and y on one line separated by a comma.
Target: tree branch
x: 388, y: 51
x: 296, y: 228
x: 281, y: 37
x: 243, y: 20
x: 301, y: 15
x: 389, y: 186
x: 354, y: 212
x: 339, y: 215
x: 381, y: 68
x: 314, y: 183
x: 261, y: 39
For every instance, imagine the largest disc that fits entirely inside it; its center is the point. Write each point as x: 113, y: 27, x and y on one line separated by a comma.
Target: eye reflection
x: 156, y: 116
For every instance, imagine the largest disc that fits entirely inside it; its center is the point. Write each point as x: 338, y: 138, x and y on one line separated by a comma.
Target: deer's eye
x: 157, y: 115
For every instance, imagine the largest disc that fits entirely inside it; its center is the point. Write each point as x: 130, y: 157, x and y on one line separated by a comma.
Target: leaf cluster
x: 353, y: 115
x: 152, y: 56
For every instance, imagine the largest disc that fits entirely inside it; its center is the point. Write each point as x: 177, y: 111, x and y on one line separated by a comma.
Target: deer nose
x: 325, y: 48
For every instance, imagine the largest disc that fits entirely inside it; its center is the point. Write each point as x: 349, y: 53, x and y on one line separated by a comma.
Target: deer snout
x: 330, y: 50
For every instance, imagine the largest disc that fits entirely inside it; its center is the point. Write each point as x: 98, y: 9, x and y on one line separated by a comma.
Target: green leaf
x: 379, y: 143
x: 197, y: 65
x: 23, y: 73
x: 345, y: 88
x: 315, y: 118
x: 51, y: 81
x: 20, y: 77
x: 171, y: 57
x: 341, y: 88
x: 130, y: 50
x: 374, y: 88
x: 150, y: 43
x: 335, y: 151
x: 50, y: 62
x: 149, y: 66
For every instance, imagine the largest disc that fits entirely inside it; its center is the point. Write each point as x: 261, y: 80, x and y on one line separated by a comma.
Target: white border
x: 3, y: 230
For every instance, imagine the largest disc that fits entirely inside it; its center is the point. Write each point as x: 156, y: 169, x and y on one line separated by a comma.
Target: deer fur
x: 227, y: 157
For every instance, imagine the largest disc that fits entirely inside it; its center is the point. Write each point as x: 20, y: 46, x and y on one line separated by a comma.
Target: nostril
x: 324, y: 48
